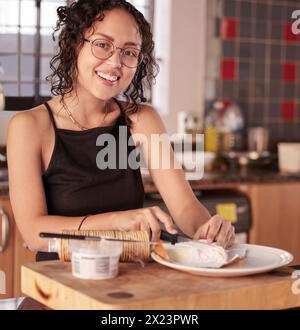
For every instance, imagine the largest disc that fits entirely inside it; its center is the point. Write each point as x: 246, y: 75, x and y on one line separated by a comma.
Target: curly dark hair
x: 73, y: 20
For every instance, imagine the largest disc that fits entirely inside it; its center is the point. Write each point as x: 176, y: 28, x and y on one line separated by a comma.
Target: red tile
x: 228, y: 69
x: 288, y: 34
x: 229, y: 28
x: 288, y: 110
x: 225, y: 104
x: 289, y: 71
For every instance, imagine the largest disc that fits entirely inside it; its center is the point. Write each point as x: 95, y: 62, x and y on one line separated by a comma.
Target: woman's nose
x: 115, y: 59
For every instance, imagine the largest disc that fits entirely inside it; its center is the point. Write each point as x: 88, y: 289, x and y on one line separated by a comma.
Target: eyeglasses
x: 104, y: 49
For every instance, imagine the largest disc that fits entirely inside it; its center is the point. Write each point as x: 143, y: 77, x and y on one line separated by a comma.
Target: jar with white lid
x: 95, y: 260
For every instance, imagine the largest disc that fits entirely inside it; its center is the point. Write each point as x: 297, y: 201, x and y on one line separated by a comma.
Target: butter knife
x: 174, y: 238
x: 91, y: 238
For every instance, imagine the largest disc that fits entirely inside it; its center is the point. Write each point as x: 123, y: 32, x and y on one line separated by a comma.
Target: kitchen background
x: 253, y: 58
x: 228, y: 68
x: 238, y: 50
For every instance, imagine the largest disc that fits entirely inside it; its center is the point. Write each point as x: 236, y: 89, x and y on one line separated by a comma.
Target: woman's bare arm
x: 26, y: 187
x: 186, y: 210
x: 28, y: 196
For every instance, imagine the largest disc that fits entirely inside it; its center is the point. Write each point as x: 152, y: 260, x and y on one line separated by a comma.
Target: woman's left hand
x: 216, y: 230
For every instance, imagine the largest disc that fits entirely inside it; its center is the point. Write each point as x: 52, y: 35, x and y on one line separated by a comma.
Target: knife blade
x: 180, y: 238
x: 174, y: 238
x: 92, y: 238
x: 165, y: 236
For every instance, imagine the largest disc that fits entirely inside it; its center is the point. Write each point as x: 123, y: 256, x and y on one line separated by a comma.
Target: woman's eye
x: 131, y: 53
x: 102, y: 44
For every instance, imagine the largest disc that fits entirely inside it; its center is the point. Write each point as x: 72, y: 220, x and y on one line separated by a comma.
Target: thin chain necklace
x: 76, y: 123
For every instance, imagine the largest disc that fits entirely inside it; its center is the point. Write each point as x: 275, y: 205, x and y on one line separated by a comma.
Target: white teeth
x: 107, y: 76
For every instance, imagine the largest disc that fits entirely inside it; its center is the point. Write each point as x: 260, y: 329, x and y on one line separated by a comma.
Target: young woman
x: 55, y: 182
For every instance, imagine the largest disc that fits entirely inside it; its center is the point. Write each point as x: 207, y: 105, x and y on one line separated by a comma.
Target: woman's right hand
x: 145, y: 219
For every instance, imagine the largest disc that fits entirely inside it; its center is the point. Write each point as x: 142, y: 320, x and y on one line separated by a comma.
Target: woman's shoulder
x: 147, y: 119
x: 32, y: 121
x: 143, y: 108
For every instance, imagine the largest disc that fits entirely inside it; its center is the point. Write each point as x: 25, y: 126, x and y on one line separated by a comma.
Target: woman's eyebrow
x: 129, y: 43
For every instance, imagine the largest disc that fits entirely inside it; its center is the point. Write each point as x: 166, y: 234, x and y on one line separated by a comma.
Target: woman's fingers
x: 147, y: 219
x: 224, y: 233
x: 217, y: 230
x: 214, y: 226
x: 152, y: 222
x: 231, y: 238
x: 145, y: 226
x: 165, y: 219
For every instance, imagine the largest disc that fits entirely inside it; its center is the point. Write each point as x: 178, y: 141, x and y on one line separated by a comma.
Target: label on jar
x: 96, y: 267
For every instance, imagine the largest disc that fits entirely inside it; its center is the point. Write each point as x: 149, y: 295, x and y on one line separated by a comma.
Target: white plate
x: 259, y: 259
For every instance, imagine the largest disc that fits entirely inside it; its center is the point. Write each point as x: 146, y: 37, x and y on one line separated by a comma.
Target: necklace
x: 76, y: 123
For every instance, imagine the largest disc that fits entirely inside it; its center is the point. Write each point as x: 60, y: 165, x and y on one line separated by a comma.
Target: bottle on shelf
x: 231, y: 128
x: 211, y: 127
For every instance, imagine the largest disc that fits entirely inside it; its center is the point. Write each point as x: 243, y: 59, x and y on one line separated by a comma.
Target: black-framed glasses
x: 104, y: 49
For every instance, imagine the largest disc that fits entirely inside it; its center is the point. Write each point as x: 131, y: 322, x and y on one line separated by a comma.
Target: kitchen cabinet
x: 13, y: 250
x: 22, y: 255
x: 275, y: 215
x: 6, y: 246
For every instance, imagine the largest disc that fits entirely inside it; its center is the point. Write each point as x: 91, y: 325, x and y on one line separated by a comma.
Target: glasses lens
x: 131, y: 57
x: 102, y: 49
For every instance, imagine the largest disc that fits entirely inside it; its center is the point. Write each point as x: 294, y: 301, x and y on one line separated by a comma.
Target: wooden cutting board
x: 156, y: 287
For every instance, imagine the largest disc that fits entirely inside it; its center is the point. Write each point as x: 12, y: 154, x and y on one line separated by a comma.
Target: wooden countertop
x: 232, y: 180
x: 156, y: 287
x: 216, y: 180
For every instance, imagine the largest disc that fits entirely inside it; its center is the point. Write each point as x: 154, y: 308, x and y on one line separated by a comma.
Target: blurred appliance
x: 257, y: 155
x: 231, y: 205
x: 248, y: 159
x: 258, y: 139
x: 289, y: 157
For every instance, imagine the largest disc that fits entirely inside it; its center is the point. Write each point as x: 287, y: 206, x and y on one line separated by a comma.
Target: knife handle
x: 165, y: 236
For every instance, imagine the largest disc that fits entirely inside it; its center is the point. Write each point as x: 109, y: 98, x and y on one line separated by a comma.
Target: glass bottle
x: 231, y: 128
x: 211, y: 124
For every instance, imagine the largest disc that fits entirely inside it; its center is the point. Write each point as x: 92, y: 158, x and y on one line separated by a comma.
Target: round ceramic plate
x: 259, y: 259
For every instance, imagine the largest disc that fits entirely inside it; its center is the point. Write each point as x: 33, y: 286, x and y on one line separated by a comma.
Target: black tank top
x: 75, y: 186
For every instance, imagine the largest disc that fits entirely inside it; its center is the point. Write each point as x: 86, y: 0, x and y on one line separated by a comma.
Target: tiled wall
x: 254, y: 58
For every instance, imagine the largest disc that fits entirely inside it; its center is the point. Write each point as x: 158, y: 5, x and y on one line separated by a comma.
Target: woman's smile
x: 108, y: 78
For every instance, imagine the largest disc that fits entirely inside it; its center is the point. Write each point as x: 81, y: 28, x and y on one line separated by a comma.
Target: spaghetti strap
x: 122, y: 117
x: 51, y: 115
